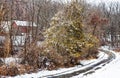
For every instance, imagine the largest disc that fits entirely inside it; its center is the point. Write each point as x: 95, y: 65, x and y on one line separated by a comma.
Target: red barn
x: 23, y: 26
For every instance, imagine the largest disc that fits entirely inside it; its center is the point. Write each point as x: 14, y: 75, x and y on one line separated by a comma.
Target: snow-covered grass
x: 10, y: 60
x: 43, y: 73
x: 111, y: 70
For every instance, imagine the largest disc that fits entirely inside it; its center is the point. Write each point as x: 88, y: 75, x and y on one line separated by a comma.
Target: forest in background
x: 67, y: 32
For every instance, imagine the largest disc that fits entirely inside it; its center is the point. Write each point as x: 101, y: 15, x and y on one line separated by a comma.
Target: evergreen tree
x: 66, y: 33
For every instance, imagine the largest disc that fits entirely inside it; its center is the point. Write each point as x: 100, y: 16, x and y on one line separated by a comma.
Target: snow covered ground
x: 44, y: 73
x: 111, y: 70
x: 10, y: 60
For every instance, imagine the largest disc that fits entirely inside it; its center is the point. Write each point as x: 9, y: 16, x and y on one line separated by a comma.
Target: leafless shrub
x: 30, y: 56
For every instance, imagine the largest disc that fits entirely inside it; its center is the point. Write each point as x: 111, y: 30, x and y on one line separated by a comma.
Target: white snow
x: 10, y: 60
x: 111, y: 70
x: 101, y: 55
x: 24, y: 23
x: 19, y: 40
x: 2, y: 38
x: 43, y: 73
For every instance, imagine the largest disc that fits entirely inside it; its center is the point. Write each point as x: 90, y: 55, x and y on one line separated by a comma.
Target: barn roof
x: 24, y: 23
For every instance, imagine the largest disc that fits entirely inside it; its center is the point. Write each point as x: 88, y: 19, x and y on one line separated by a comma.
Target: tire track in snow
x: 87, y: 70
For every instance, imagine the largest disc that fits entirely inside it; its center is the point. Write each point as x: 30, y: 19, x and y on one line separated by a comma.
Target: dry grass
x: 13, y: 70
x: 116, y: 49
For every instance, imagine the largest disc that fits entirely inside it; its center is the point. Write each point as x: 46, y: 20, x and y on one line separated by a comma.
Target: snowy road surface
x: 111, y: 70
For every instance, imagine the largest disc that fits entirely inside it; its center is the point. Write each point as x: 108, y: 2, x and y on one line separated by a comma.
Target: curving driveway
x: 87, y: 70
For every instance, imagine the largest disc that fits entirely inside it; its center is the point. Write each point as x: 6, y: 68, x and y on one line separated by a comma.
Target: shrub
x: 30, y: 55
x: 56, y: 59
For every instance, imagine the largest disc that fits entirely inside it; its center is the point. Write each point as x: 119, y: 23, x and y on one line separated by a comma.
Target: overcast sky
x: 99, y: 1
x: 95, y: 1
